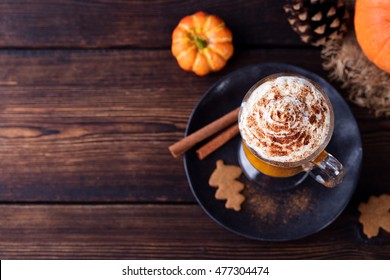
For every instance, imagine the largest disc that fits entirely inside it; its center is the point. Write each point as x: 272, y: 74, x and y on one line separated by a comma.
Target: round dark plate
x: 267, y: 214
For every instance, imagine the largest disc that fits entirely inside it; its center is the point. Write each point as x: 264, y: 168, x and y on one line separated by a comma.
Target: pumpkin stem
x: 200, y: 43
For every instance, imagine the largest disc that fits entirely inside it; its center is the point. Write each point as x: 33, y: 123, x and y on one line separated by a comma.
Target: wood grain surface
x: 90, y: 99
x: 96, y: 125
x: 140, y: 24
x: 153, y: 231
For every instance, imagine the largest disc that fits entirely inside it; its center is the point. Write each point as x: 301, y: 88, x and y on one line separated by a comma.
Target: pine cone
x: 317, y: 21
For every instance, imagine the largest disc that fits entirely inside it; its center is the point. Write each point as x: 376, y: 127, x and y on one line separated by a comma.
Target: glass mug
x: 286, y: 121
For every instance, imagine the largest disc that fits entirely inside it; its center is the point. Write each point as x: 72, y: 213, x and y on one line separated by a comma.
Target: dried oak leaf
x: 375, y: 214
x: 224, y: 177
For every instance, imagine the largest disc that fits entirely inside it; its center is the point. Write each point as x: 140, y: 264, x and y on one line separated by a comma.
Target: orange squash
x: 372, y: 27
x: 202, y: 43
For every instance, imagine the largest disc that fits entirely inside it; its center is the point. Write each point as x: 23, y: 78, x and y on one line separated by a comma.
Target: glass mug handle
x: 326, y: 170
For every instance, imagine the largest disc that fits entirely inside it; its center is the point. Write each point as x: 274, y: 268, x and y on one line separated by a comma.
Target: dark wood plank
x: 107, y: 23
x: 375, y: 133
x: 95, y: 125
x: 159, y: 232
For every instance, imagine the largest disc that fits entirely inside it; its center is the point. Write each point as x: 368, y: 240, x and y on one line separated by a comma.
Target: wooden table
x: 91, y: 98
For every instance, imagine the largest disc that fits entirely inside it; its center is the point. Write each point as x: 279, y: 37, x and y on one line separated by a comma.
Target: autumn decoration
x: 202, y: 43
x: 372, y: 27
x: 375, y: 215
x: 359, y: 61
x: 317, y: 21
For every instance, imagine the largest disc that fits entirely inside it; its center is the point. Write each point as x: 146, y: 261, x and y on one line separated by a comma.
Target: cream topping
x: 285, y: 119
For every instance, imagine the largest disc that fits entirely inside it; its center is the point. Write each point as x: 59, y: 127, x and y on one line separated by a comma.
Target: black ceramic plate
x: 268, y: 214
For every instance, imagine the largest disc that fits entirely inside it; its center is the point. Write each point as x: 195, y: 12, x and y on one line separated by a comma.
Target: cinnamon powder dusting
x: 289, y: 113
x: 279, y: 206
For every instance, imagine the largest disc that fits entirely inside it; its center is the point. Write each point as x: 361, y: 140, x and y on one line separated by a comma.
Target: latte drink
x: 285, y: 121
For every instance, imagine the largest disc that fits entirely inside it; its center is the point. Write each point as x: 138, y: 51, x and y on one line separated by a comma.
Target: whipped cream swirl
x: 285, y: 119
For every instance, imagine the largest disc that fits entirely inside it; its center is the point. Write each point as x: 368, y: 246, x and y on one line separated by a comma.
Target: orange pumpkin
x: 372, y: 27
x: 202, y: 43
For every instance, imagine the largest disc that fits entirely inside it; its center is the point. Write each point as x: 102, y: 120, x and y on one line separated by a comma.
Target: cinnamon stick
x: 217, y: 142
x: 188, y: 142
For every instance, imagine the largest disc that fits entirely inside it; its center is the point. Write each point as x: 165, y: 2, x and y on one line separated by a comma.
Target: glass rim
x: 319, y: 149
